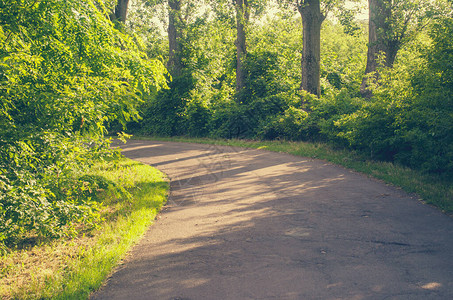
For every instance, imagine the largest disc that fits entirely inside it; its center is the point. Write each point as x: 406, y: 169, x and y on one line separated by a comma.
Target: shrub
x: 65, y: 72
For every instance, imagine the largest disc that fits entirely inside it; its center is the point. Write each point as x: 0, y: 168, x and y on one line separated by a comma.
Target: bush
x: 289, y: 125
x: 410, y: 116
x: 197, y: 116
x: 229, y: 120
x: 65, y: 72
x: 164, y: 115
x: 42, y: 191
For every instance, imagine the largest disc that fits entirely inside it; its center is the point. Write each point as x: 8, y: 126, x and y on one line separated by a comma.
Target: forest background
x: 403, y: 114
x: 405, y: 118
x: 73, y: 71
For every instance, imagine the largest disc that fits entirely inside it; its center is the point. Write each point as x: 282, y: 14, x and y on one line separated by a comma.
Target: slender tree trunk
x: 120, y: 12
x: 242, y: 16
x: 174, y: 64
x: 379, y: 42
x: 312, y: 19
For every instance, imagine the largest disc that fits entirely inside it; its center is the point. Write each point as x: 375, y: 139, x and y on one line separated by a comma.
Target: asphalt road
x: 252, y: 224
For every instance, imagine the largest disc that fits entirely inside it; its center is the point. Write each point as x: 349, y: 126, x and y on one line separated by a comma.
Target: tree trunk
x: 242, y: 16
x: 379, y: 42
x: 120, y: 12
x: 312, y: 19
x: 174, y: 64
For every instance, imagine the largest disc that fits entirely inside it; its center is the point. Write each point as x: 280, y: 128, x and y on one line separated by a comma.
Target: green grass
x: 433, y: 189
x: 72, y: 269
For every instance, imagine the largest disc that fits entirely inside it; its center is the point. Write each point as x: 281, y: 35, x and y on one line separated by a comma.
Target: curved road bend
x: 252, y: 224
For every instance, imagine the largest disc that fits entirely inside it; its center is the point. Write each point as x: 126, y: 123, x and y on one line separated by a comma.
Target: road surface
x: 252, y: 224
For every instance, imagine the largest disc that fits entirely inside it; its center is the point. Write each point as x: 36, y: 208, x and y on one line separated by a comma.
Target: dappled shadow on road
x: 249, y: 224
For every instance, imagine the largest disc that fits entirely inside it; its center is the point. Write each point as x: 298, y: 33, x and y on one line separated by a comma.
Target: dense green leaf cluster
x: 65, y: 72
x: 410, y: 117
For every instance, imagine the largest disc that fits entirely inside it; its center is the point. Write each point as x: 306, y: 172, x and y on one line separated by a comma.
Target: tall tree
x: 391, y: 24
x: 312, y: 18
x: 243, y: 10
x: 175, y: 16
x: 313, y: 13
x: 120, y: 11
x: 379, y: 26
x: 242, y: 20
x: 174, y: 63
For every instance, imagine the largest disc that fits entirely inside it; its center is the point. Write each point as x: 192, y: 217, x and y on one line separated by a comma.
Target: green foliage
x: 343, y: 58
x: 65, y: 73
x: 186, y: 108
x: 348, y: 21
x: 41, y: 190
x: 430, y: 115
x: 229, y: 119
x: 410, y: 117
x: 164, y: 115
x: 408, y: 120
x: 132, y: 194
x: 198, y: 116
x: 289, y: 125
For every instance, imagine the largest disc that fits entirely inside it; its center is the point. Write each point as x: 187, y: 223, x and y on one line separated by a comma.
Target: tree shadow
x: 250, y: 224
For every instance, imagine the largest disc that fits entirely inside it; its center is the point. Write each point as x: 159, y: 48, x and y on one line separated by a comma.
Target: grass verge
x: 73, y: 268
x: 432, y: 189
